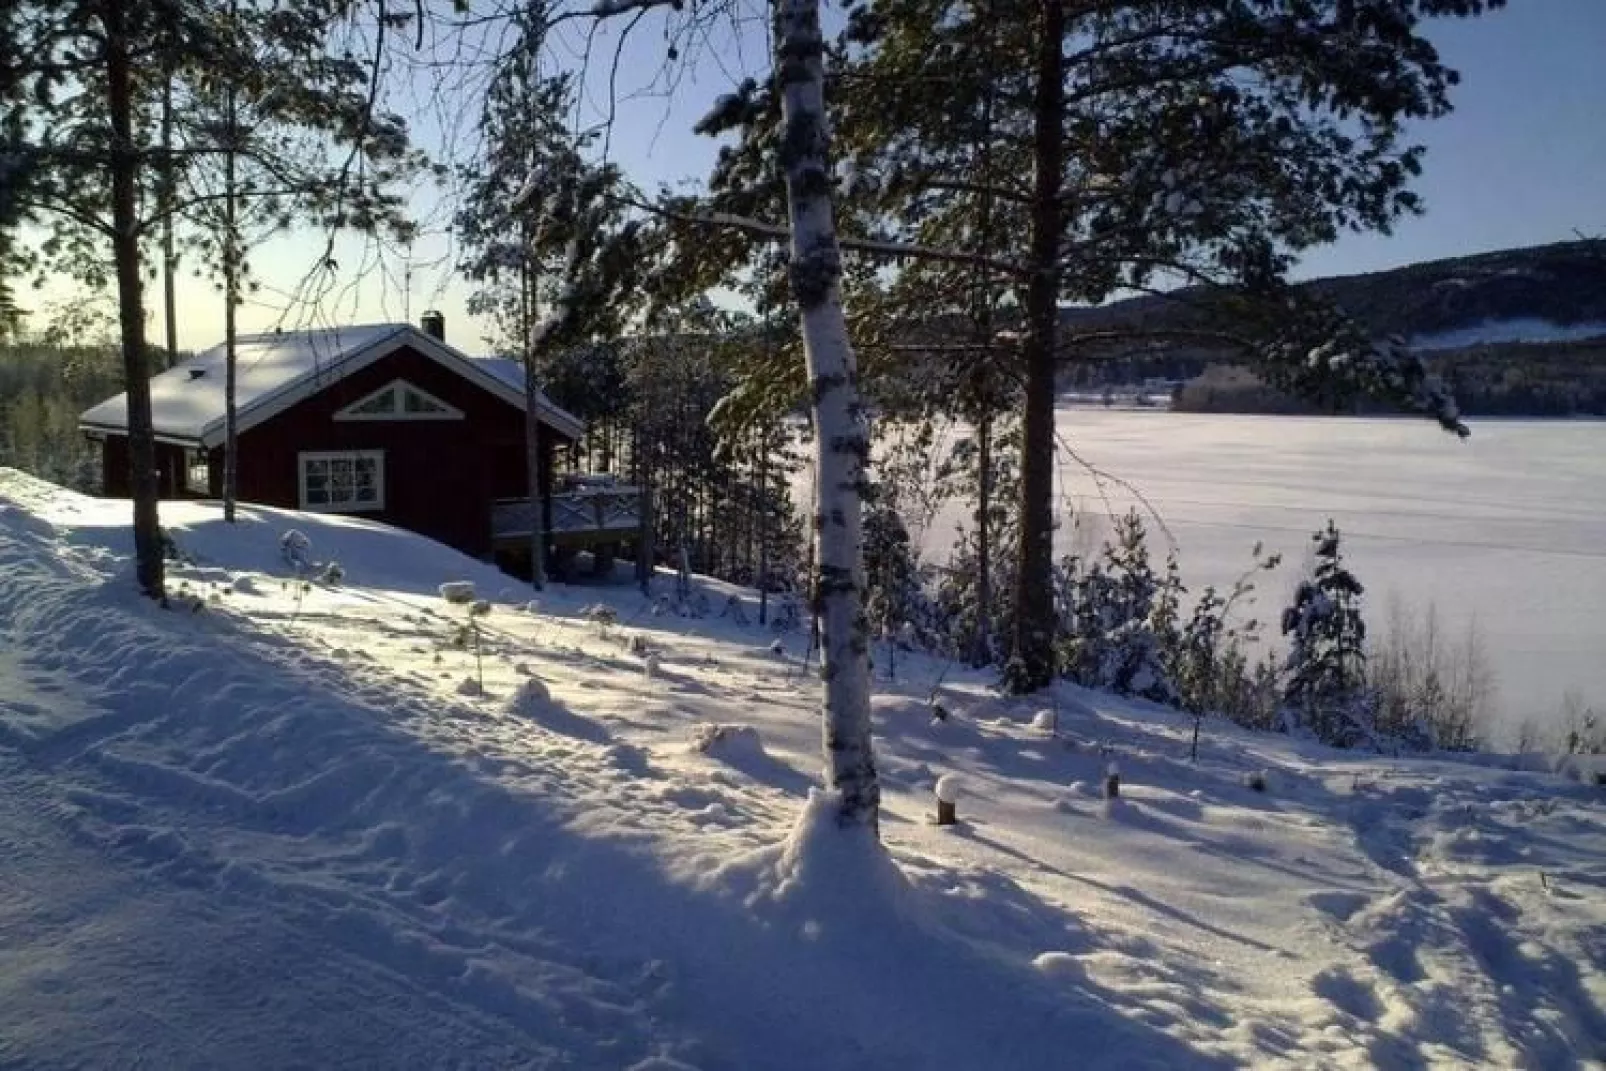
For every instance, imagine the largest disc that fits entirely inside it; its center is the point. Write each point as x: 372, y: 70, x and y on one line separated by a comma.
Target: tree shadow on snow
x: 570, y: 913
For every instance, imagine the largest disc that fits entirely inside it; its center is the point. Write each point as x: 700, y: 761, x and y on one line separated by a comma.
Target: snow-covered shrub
x: 972, y: 600
x: 461, y: 593
x: 786, y: 615
x: 1582, y: 729
x: 1046, y: 721
x: 470, y: 686
x: 735, y: 610
x: 530, y: 699
x: 296, y: 550
x: 457, y: 592
x: 1429, y: 693
x: 1114, y: 612
x: 331, y: 573
x: 244, y: 585
x: 728, y: 741
x: 601, y: 615
x: 649, y: 665
x: 892, y: 592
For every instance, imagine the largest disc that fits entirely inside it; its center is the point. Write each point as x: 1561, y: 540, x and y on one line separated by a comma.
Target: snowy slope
x: 284, y: 830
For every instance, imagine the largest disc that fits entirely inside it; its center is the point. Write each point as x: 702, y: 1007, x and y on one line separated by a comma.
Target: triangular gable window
x: 399, y: 400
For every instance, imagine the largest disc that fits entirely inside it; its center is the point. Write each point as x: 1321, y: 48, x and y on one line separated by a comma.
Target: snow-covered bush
x: 893, y: 599
x: 727, y: 741
x: 468, y: 634
x: 1114, y: 612
x: 296, y: 550
x: 1429, y: 693
x: 530, y: 699
x: 601, y: 615
x: 735, y: 610
x: 457, y: 592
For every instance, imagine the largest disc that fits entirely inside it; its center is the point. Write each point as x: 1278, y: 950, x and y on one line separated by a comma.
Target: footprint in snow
x: 1338, y: 905
x: 1348, y: 994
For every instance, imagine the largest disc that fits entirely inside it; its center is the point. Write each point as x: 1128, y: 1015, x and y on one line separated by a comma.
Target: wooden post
x: 945, y: 813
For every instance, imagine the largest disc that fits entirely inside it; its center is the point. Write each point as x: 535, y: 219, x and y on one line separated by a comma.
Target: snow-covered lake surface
x: 1506, y: 529
x: 311, y: 827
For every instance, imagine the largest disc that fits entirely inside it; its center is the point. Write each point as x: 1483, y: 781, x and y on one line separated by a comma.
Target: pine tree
x: 1325, y: 672
x: 1103, y: 109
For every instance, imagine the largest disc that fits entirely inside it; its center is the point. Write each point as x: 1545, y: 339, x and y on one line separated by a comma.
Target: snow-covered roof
x: 275, y: 371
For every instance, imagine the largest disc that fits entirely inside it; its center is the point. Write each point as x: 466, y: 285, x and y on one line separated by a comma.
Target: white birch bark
x: 841, y: 440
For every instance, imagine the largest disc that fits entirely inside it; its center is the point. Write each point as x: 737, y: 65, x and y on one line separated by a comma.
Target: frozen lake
x: 1507, y: 528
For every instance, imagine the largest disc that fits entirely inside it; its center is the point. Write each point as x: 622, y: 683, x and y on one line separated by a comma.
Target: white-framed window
x: 399, y: 400
x: 343, y: 481
x: 197, y: 474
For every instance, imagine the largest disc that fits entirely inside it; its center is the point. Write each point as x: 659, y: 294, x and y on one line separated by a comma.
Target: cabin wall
x: 440, y: 476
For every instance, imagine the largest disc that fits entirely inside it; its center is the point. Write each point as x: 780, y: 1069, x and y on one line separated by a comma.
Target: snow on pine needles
x: 612, y: 849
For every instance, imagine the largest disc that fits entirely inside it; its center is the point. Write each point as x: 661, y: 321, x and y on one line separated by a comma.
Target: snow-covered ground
x: 1505, y: 530
x: 285, y: 829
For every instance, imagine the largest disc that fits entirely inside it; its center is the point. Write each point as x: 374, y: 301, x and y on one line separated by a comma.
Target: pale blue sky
x: 1522, y: 161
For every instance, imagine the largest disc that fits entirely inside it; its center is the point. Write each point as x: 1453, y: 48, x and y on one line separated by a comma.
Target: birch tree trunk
x: 130, y: 300
x: 841, y: 440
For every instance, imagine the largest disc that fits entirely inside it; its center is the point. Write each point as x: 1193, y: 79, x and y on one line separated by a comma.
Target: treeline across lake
x: 43, y: 387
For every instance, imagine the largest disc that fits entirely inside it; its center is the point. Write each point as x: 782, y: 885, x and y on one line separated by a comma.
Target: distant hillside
x: 1519, y: 331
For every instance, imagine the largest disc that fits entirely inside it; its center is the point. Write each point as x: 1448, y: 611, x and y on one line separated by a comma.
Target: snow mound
x: 1058, y: 964
x: 828, y: 879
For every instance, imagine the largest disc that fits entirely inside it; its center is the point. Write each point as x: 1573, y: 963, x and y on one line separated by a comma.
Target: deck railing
x: 589, y: 510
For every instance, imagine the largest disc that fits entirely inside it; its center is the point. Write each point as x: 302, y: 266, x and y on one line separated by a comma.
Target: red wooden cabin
x: 385, y: 421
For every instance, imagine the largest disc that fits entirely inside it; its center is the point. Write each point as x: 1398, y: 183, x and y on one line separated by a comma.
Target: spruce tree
x: 1325, y: 689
